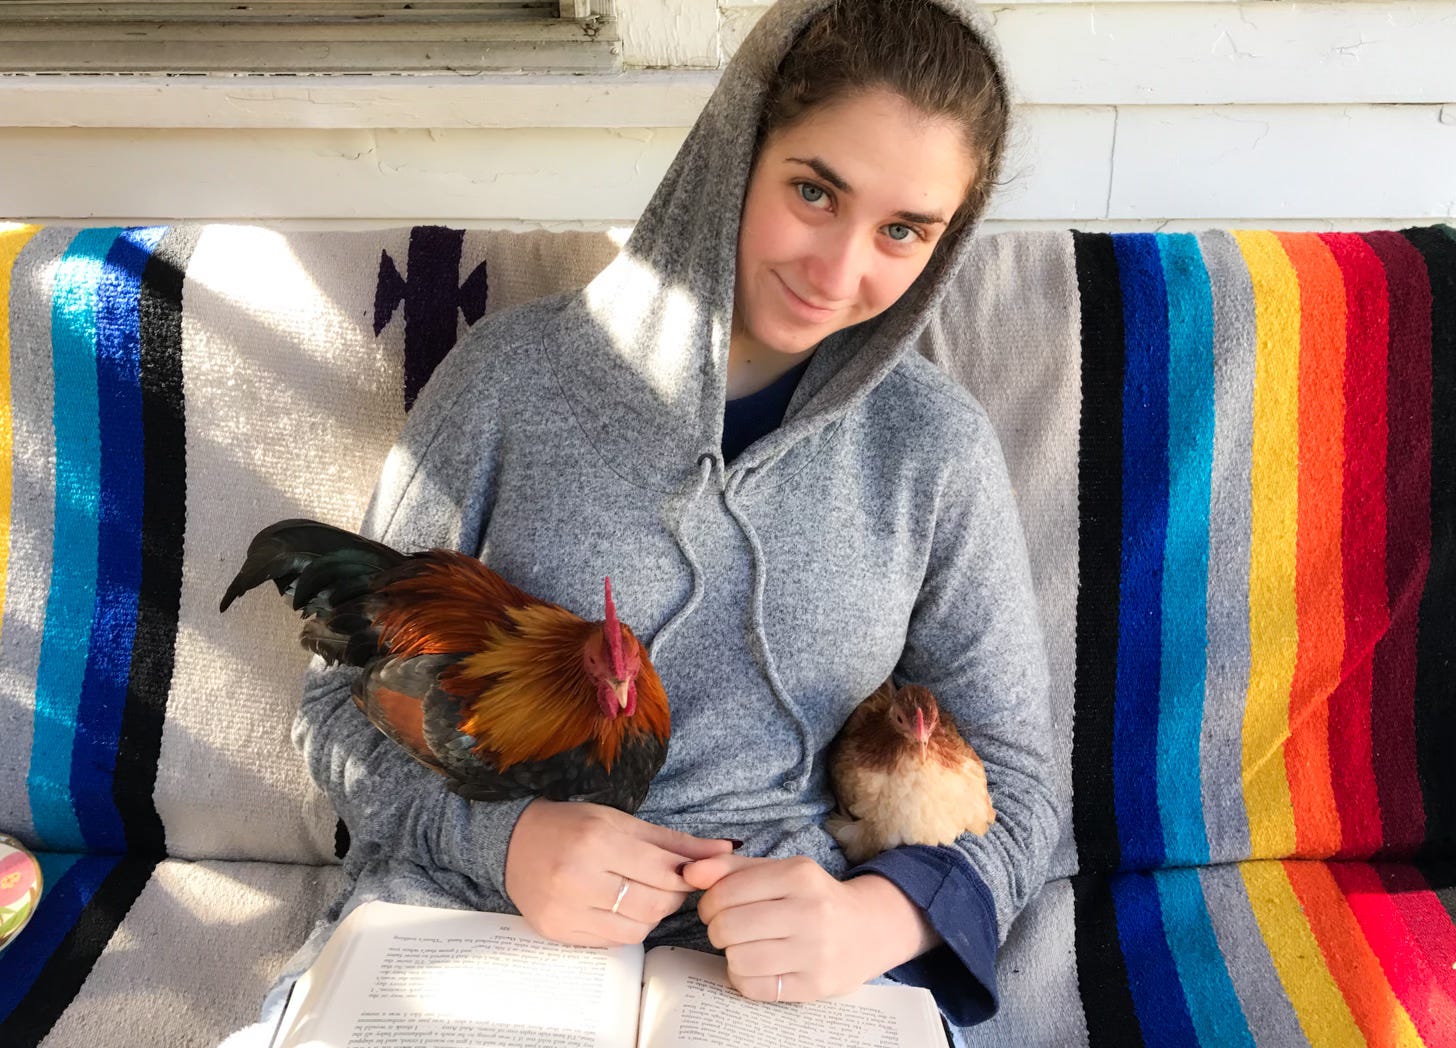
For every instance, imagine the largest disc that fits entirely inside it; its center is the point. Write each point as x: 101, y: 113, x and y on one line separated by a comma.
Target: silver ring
x: 621, y: 894
x: 779, y: 990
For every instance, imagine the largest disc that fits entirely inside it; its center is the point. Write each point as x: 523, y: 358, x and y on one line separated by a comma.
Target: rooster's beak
x: 619, y: 689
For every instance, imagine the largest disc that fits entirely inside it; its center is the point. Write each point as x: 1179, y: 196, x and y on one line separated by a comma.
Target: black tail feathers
x: 322, y: 567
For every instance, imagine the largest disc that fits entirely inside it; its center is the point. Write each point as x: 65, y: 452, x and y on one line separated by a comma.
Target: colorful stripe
x: 1363, y: 542
x: 1184, y: 639
x: 1267, y: 527
x: 73, y: 569
x: 11, y: 244
x: 106, y: 649
x: 113, y: 619
x: 1292, y: 952
x: 1274, y: 482
x: 1408, y: 543
x: 1144, y: 531
x: 1319, y: 595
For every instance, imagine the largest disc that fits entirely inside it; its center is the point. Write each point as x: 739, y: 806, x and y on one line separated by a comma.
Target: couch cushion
x: 1234, y: 456
x: 169, y: 392
x: 1273, y: 953
x: 131, y: 952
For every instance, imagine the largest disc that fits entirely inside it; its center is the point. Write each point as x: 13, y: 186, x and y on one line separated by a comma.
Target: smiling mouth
x: 800, y: 300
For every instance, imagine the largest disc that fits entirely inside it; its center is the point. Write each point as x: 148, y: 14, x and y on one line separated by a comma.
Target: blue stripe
x: 1185, y: 558
x: 1144, y: 522
x: 1157, y: 994
x: 66, y: 636
x: 119, y: 568
x: 1213, y: 1004
x: 70, y: 880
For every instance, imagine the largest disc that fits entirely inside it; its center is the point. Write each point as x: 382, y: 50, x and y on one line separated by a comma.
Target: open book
x: 395, y: 975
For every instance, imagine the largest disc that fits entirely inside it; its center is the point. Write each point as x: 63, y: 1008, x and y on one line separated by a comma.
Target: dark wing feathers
x: 282, y: 551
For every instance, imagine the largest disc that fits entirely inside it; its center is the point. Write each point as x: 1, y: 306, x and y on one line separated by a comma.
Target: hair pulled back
x: 914, y: 48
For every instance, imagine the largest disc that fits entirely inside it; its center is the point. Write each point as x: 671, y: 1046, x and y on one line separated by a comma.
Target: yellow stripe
x: 1318, y: 1004
x: 1273, y: 626
x: 12, y: 240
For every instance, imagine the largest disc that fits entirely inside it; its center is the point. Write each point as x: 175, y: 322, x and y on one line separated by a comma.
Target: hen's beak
x: 922, y: 730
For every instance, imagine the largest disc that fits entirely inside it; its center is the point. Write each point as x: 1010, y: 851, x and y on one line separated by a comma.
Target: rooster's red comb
x: 614, y: 636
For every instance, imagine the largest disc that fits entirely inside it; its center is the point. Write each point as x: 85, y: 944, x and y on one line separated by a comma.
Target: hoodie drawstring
x: 806, y: 736
x: 765, y: 651
x: 675, y: 521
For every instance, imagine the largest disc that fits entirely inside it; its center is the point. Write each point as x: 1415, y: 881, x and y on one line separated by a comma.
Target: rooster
x: 903, y: 775
x: 504, y: 694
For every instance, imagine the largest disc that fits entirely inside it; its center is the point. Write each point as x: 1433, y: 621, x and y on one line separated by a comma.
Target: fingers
x: 641, y: 902
x: 705, y: 873
x: 683, y: 844
x: 788, y: 986
x: 759, y: 922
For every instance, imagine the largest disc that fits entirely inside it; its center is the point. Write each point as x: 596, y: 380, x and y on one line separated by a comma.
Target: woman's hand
x: 791, y: 918
x: 568, y: 860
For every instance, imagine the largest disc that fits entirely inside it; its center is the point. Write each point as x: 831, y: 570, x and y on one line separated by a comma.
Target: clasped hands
x: 789, y: 929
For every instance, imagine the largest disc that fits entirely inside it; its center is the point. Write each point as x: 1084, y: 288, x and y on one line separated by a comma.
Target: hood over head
x: 642, y: 351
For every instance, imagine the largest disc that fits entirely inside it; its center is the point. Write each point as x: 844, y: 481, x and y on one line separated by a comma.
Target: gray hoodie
x: 873, y: 533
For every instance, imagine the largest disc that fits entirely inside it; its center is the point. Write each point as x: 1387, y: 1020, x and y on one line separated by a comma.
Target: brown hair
x: 933, y: 60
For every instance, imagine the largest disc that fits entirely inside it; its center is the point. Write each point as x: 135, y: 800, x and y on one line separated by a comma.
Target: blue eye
x: 908, y: 232
x: 810, y: 193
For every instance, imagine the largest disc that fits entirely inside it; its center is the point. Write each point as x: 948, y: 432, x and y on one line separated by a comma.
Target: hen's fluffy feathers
x: 892, y: 788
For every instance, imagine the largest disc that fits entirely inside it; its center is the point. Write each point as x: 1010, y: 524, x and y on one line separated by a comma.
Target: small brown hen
x: 502, y: 693
x: 903, y: 775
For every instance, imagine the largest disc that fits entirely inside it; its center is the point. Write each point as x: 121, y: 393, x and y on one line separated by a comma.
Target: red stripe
x: 1362, y: 542
x: 1347, y: 954
x: 1426, y: 920
x: 1408, y: 540
x: 1409, y: 970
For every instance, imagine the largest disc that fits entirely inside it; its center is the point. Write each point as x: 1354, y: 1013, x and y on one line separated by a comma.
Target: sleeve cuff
x: 961, y: 973
x: 474, y: 837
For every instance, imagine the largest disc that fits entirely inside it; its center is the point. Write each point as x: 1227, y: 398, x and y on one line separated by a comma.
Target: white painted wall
x: 1166, y: 114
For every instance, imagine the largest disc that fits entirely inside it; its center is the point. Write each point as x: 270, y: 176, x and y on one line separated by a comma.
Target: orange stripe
x: 1352, y: 963
x: 1319, y: 568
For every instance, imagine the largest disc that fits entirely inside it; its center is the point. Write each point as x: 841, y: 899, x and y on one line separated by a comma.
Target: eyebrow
x: 829, y: 175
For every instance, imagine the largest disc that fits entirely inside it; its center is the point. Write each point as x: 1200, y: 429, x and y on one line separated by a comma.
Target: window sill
x: 641, y: 98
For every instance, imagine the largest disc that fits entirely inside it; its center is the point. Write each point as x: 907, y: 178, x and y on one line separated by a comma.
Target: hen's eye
x: 810, y: 193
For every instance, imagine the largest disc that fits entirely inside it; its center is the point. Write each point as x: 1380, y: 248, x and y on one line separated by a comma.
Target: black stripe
x: 341, y: 839
x: 1099, y: 538
x: 67, y: 969
x: 1435, y: 700
x: 164, y: 515
x: 1101, y: 969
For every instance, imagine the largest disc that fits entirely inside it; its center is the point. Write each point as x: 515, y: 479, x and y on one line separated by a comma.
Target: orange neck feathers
x: 530, y: 698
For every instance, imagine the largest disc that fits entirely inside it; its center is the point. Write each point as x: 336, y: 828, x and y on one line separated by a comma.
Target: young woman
x: 733, y: 423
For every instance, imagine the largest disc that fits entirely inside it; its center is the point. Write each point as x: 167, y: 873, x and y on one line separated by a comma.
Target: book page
x: 688, y: 1002
x: 430, y: 978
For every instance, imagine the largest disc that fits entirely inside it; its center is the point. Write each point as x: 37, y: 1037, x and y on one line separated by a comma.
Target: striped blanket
x: 1233, y: 455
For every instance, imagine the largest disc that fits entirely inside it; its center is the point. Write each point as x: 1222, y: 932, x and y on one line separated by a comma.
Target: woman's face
x: 841, y: 214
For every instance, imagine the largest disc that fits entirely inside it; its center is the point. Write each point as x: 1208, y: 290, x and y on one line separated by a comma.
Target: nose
x: 837, y: 266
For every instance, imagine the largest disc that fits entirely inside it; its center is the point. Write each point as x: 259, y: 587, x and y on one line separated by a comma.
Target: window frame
x: 308, y: 37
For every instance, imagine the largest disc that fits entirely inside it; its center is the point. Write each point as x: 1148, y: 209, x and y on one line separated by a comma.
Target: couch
x: 1235, y: 457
